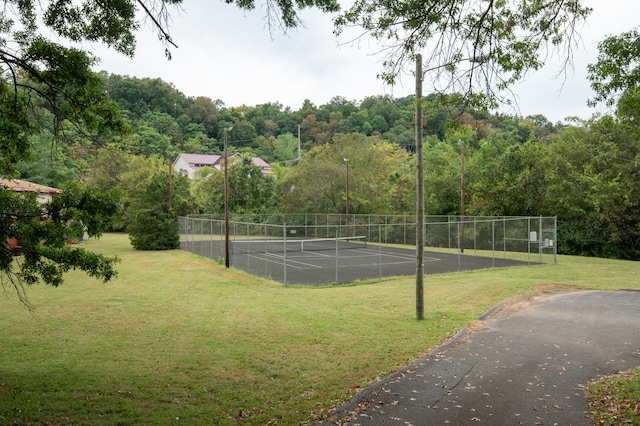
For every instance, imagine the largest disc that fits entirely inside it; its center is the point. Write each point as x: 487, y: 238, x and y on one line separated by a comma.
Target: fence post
x: 475, y: 235
x: 379, y: 252
x: 504, y: 237
x: 284, y: 254
x: 555, y: 239
x: 493, y: 244
x: 529, y: 239
x: 337, y: 231
x: 540, y: 243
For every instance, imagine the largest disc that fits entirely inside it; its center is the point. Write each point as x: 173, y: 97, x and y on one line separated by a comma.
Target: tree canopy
x: 43, y: 231
x: 318, y: 183
x: 617, y: 69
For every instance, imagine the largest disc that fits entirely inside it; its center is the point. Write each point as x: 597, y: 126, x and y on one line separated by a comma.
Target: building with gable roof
x: 44, y: 193
x: 187, y: 164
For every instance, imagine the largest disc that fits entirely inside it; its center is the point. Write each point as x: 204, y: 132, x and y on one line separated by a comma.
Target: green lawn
x: 176, y: 338
x: 615, y: 399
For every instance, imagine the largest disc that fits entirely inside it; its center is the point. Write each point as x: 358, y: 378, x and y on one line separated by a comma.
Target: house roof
x: 198, y: 160
x: 18, y: 185
x: 260, y: 162
x: 202, y: 158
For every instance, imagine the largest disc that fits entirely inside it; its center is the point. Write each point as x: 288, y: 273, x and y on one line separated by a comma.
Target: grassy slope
x: 177, y: 338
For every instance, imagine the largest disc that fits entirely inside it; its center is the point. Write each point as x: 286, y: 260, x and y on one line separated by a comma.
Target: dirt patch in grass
x: 515, y: 305
x: 518, y: 304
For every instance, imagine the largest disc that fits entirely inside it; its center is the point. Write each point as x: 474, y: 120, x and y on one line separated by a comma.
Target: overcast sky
x: 228, y: 54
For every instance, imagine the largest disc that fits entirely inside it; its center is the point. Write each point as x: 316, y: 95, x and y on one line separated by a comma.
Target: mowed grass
x: 178, y: 339
x: 615, y: 399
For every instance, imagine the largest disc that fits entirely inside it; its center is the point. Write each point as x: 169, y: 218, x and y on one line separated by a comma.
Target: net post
x: 379, y: 252
x: 265, y: 248
x: 337, y: 230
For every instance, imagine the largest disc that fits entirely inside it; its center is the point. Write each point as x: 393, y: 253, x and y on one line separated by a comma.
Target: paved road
x: 528, y: 367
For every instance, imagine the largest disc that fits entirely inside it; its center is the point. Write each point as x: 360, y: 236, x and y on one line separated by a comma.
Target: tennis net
x: 297, y: 245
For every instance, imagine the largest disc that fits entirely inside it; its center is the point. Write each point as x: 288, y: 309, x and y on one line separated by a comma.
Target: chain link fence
x: 526, y: 239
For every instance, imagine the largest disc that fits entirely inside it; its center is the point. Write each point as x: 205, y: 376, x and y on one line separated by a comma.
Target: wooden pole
x: 346, y: 160
x: 170, y: 180
x: 419, y: 196
x: 461, y: 196
x: 226, y: 202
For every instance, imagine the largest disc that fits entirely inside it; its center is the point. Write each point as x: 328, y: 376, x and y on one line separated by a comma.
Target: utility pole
x: 346, y: 160
x: 419, y: 196
x: 299, y: 153
x: 226, y: 199
x: 461, y: 142
x: 170, y: 179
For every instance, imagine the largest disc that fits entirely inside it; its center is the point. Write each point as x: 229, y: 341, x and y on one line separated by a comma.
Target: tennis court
x: 340, y: 260
x: 323, y: 249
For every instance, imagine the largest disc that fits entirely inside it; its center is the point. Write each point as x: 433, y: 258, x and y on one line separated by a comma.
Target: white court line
x: 397, y: 256
x: 307, y: 266
x: 281, y: 261
x: 372, y: 265
x: 291, y: 262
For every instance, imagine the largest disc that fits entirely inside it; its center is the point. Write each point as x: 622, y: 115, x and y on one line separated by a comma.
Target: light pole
x: 461, y: 143
x: 346, y: 160
x: 226, y: 200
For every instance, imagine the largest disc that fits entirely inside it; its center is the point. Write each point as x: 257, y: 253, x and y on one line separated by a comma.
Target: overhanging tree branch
x: 504, y: 40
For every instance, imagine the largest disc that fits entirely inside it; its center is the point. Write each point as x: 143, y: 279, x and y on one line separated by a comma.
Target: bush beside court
x: 177, y: 338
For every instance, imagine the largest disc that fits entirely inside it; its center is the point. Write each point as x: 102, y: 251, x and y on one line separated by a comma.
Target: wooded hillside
x: 586, y: 173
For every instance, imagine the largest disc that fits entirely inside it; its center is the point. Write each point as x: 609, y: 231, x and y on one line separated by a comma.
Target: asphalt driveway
x: 528, y: 365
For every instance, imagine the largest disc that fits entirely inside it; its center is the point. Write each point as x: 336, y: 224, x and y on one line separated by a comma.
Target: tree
x: 43, y: 232
x: 475, y: 47
x: 594, y: 188
x: 141, y: 96
x: 206, y: 112
x: 207, y: 190
x: 283, y: 14
x: 154, y: 208
x: 116, y: 171
x: 492, y: 175
x: 315, y: 131
x: 55, y: 164
x: 286, y: 148
x: 618, y: 67
x: 318, y: 183
x: 250, y: 191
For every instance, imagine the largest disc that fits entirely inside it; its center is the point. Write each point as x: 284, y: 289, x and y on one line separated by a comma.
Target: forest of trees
x: 586, y: 172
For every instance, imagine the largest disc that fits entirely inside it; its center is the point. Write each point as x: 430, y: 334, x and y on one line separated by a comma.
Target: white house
x: 187, y: 164
x: 44, y: 193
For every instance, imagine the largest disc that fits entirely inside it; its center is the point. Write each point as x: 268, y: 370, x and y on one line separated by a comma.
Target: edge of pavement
x: 359, y: 401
